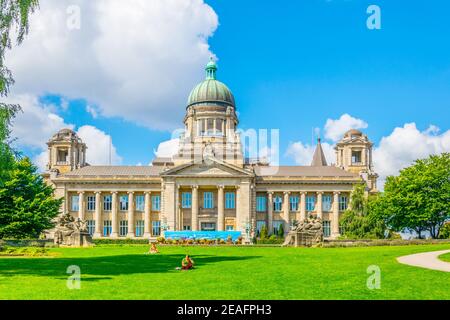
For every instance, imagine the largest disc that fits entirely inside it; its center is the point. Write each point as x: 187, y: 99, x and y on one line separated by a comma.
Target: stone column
x: 178, y: 218
x: 98, y: 215
x: 131, y: 224
x: 81, y: 208
x: 286, y: 211
x: 302, y: 206
x: 319, y: 209
x: 335, y: 220
x: 114, y: 216
x: 220, y: 209
x: 147, y: 217
x: 270, y: 212
x: 194, y: 210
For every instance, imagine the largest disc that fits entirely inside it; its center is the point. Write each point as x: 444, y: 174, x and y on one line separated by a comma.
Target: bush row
x: 22, y: 251
x: 120, y: 241
x: 387, y: 242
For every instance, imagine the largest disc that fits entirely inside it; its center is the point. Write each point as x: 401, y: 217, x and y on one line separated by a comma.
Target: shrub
x: 160, y: 240
x: 280, y: 231
x: 444, y: 232
x: 264, y: 233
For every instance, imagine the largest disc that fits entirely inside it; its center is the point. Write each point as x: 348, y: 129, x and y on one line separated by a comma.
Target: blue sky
x: 294, y: 64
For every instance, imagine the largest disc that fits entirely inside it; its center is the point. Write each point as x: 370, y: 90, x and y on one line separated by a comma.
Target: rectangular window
x: 123, y: 228
x: 277, y: 204
x: 326, y: 228
x: 123, y: 203
x: 276, y: 226
x: 210, y: 127
x: 139, y: 228
x: 140, y: 203
x: 310, y: 203
x: 326, y: 203
x: 107, y: 228
x: 208, y: 202
x: 293, y: 203
x: 343, y: 203
x: 186, y: 200
x: 156, y: 228
x: 91, y: 227
x: 261, y: 204
x: 156, y: 203
x: 356, y: 156
x: 74, y: 203
x: 107, y: 203
x: 208, y: 226
x: 229, y: 227
x: 91, y: 203
x: 230, y: 200
x: 187, y: 228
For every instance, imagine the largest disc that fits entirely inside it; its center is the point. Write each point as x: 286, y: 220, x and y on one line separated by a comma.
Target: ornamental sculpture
x: 72, y: 233
x: 306, y: 233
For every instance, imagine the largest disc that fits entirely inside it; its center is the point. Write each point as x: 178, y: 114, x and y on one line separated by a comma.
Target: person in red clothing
x: 187, y: 263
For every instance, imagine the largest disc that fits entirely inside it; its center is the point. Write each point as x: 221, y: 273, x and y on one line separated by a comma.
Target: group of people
x: 186, y: 264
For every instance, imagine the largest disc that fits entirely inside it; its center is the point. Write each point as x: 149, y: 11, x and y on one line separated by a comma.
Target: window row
x: 327, y: 201
x: 208, y: 200
x: 123, y: 228
x: 139, y: 202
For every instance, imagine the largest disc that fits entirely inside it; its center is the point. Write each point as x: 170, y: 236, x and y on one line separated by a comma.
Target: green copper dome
x: 210, y: 90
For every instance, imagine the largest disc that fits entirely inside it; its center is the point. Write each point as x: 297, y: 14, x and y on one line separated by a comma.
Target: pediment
x: 209, y: 168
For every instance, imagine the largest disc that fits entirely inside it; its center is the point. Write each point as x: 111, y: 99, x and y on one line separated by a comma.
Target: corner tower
x: 210, y: 123
x: 66, y: 152
x: 354, y: 154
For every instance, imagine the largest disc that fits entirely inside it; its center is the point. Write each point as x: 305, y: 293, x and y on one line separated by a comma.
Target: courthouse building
x: 208, y: 184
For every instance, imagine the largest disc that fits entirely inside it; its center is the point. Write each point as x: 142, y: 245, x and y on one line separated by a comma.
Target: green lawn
x: 445, y: 257
x: 223, y: 273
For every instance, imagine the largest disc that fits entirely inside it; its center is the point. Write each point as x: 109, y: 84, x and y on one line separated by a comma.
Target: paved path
x: 427, y: 260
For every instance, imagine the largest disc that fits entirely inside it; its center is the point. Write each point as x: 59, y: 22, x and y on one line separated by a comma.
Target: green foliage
x: 444, y: 233
x: 27, y: 203
x: 264, y: 234
x: 419, y: 198
x: 360, y: 222
x: 23, y: 251
x: 280, y: 231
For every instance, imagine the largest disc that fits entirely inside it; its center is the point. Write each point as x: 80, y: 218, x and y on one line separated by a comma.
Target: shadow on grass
x: 100, y: 268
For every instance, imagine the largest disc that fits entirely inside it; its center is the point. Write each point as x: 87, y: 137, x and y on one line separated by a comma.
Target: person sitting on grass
x: 153, y: 249
x: 186, y: 264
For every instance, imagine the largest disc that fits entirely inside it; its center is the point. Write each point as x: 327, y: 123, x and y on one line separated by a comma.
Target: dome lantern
x: 211, y: 69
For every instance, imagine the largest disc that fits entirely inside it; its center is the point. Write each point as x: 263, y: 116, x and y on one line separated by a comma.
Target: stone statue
x: 71, y: 233
x: 306, y: 233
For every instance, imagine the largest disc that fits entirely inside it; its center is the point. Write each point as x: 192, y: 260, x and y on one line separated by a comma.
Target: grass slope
x: 112, y: 272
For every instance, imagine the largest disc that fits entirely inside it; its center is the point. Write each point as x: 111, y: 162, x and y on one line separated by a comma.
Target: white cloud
x: 37, y: 123
x: 99, y: 145
x: 335, y: 129
x: 167, y: 149
x: 406, y: 144
x: 134, y: 59
x: 303, y: 153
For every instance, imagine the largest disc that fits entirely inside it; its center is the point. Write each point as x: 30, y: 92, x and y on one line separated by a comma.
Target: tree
x: 14, y: 16
x: 361, y: 222
x: 444, y: 232
x: 264, y: 233
x: 280, y: 231
x: 418, y: 198
x: 27, y: 203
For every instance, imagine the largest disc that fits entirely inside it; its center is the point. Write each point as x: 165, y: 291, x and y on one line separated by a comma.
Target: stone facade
x: 207, y: 185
